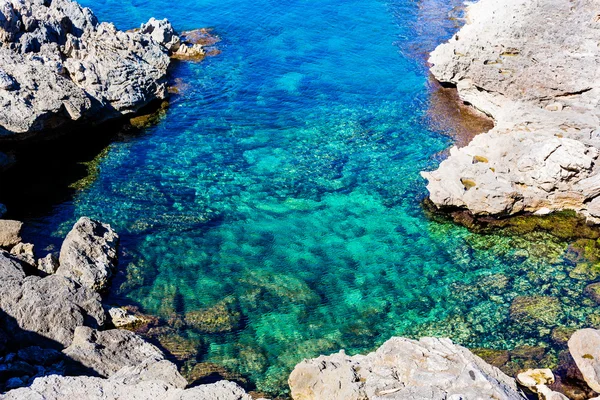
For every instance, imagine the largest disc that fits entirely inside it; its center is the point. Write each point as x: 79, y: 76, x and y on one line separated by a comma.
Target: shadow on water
x: 40, y: 174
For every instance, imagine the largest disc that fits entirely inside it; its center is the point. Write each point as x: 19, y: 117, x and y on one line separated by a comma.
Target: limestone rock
x: 584, y: 347
x: 534, y: 377
x: 162, y: 32
x: 106, y: 352
x: 10, y: 233
x: 51, y: 307
x: 58, y: 65
x: 150, y: 370
x: 60, y: 387
x: 89, y: 254
x: 24, y: 252
x: 48, y: 264
x: 537, y: 380
x: 431, y: 368
x: 10, y: 268
x: 542, y: 155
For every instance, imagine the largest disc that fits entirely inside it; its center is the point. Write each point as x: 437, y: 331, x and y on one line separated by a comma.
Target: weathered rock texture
x: 49, y: 328
x: 83, y: 387
x: 50, y: 307
x: 584, y: 346
x: 533, y: 67
x: 106, y: 352
x: 89, y: 254
x: 402, y: 369
x: 10, y: 233
x: 58, y: 65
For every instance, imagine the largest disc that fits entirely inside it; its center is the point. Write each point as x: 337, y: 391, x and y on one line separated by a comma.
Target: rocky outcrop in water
x: 402, y: 369
x: 89, y: 254
x: 532, y: 66
x: 59, y: 65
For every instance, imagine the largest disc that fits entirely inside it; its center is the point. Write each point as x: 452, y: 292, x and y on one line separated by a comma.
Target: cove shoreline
x: 354, y: 369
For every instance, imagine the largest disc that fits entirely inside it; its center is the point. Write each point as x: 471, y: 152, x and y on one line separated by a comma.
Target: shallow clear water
x: 280, y: 195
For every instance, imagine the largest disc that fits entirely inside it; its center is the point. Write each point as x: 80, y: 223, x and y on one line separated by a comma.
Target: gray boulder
x: 10, y: 233
x: 10, y: 268
x: 89, y: 254
x: 106, y: 352
x: 162, y: 32
x: 431, y: 368
x: 50, y: 307
x: 24, y: 252
x: 48, y: 264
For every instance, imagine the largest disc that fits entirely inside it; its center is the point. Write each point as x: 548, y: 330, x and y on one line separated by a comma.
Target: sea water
x: 274, y: 212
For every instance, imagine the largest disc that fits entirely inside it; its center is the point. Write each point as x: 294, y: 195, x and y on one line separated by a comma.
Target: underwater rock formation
x: 59, y: 65
x: 531, y: 65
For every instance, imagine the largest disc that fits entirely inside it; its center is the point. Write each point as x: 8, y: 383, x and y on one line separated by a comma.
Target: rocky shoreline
x: 531, y: 67
x: 56, y: 336
x: 58, y: 339
x: 63, y: 69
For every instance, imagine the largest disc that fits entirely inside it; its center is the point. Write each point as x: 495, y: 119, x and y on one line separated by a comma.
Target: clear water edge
x: 281, y: 196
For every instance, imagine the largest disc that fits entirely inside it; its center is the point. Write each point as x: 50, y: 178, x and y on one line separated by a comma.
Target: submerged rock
x: 536, y: 309
x: 542, y: 155
x: 89, y: 254
x: 222, y: 317
x: 402, y: 369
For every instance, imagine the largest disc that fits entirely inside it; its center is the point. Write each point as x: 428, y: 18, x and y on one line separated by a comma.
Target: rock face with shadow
x: 50, y: 307
x: 532, y: 66
x: 59, y: 65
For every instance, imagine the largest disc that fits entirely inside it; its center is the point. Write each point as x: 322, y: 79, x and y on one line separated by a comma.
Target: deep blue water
x: 280, y: 194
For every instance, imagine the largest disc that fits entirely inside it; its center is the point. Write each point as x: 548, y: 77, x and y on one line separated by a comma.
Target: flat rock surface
x: 106, y: 352
x: 89, y: 388
x: 402, y: 369
x: 532, y: 66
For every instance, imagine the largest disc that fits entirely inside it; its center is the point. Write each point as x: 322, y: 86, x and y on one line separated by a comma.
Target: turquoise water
x: 274, y: 212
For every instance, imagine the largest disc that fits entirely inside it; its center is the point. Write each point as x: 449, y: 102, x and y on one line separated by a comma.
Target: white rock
x: 431, y: 368
x: 543, y: 153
